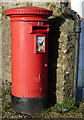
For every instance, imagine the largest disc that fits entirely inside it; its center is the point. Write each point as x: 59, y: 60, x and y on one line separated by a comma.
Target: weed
x: 46, y: 111
x: 5, y: 17
x: 48, y: 3
x: 31, y: 4
x: 17, y: 4
x: 3, y: 14
x: 5, y: 106
x: 6, y: 92
x: 15, y: 113
x: 53, y: 5
x: 2, y: 7
x: 66, y: 106
x: 59, y: 10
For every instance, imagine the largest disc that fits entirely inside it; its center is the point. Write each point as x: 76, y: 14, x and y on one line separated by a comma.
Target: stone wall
x: 60, y: 62
x: 65, y: 61
x: 61, y: 58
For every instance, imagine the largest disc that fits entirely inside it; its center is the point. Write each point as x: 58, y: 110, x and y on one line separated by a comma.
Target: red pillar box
x: 29, y: 50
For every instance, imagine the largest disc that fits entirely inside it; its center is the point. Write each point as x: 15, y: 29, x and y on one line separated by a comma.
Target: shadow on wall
x: 53, y: 46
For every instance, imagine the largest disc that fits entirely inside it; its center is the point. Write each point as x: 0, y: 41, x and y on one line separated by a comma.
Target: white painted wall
x: 76, y: 5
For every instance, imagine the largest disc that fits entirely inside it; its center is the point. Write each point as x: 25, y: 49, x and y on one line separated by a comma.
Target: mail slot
x: 29, y: 53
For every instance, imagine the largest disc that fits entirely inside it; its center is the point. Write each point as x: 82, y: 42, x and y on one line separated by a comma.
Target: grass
x: 15, y: 113
x: 5, y: 92
x: 46, y: 111
x: 5, y: 106
x: 66, y: 106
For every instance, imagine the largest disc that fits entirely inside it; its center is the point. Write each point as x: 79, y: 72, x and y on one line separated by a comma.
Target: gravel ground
x: 8, y: 112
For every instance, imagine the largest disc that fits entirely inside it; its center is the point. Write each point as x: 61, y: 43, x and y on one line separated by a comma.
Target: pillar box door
x: 29, y: 52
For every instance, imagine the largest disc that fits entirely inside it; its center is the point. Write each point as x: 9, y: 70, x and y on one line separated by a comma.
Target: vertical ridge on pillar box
x: 29, y: 50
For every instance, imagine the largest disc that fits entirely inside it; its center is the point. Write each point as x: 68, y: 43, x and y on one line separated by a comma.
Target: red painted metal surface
x: 29, y: 10
x: 29, y: 64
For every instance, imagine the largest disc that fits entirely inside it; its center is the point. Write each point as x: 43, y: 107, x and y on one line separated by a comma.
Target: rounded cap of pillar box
x: 28, y: 10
